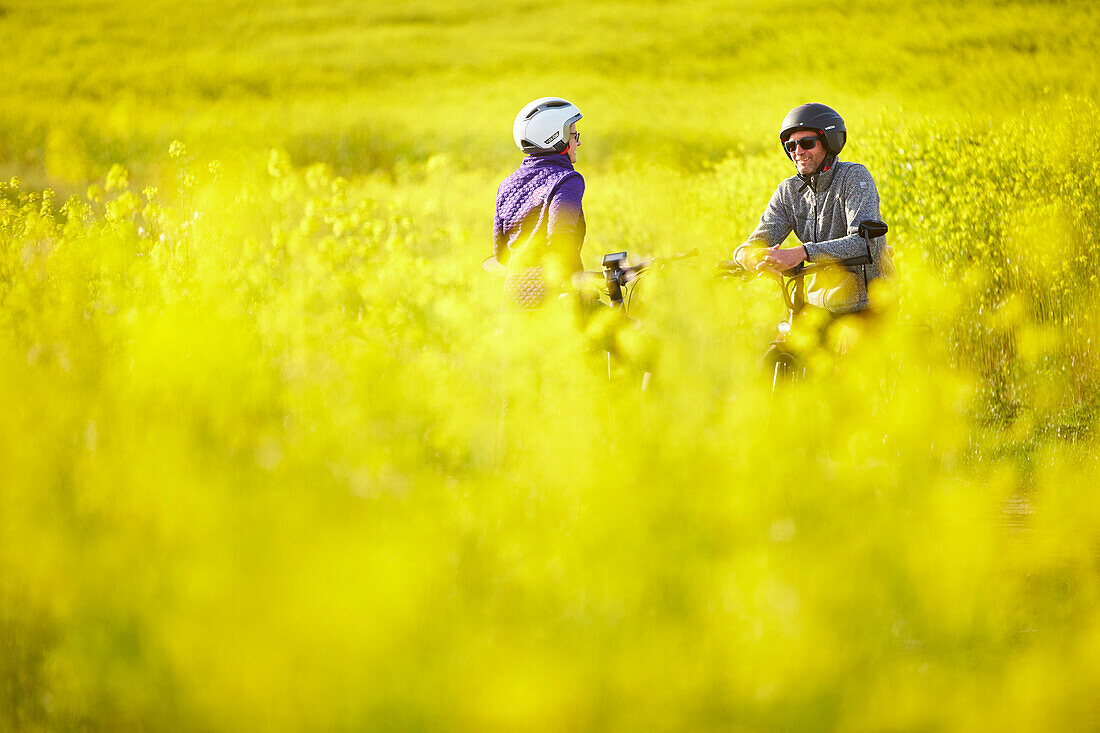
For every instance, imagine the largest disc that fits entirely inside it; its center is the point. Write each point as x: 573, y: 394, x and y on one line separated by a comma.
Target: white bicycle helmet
x: 542, y: 126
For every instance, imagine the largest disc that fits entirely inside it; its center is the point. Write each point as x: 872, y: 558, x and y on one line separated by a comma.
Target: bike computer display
x: 614, y: 261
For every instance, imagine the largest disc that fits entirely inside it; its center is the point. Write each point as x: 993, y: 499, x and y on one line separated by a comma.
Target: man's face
x: 574, y: 143
x: 807, y: 161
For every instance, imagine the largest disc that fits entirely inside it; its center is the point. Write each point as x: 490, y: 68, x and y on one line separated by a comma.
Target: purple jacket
x: 539, y: 214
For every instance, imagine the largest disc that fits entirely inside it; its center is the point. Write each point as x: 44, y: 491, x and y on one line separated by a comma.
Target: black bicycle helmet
x: 815, y: 116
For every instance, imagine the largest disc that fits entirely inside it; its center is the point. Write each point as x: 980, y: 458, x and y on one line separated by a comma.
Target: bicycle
x: 783, y: 361
x: 604, y: 322
x: 618, y: 275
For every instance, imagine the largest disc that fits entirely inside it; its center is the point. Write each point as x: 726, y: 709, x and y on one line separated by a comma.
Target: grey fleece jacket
x: 825, y: 215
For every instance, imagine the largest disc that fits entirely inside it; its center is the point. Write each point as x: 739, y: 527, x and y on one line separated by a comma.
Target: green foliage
x: 276, y: 457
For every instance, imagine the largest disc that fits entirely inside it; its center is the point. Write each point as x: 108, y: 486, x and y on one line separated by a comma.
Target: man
x: 823, y: 204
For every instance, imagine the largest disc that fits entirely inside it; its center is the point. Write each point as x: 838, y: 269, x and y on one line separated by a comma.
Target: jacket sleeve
x: 860, y: 198
x: 775, y: 224
x: 566, y: 225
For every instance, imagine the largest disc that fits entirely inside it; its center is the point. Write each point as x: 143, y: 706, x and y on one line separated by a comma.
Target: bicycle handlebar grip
x: 855, y: 261
x: 730, y: 267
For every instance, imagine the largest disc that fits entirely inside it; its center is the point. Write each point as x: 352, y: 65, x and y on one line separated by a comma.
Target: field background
x: 272, y: 456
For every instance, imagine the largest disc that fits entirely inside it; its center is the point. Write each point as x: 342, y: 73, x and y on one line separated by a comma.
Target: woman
x: 539, y: 227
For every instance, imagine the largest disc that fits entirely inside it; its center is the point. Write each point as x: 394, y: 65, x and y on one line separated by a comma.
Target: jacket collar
x: 552, y: 160
x: 823, y: 178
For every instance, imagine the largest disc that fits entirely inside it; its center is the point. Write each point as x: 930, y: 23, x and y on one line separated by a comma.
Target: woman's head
x: 547, y: 125
x: 573, y: 142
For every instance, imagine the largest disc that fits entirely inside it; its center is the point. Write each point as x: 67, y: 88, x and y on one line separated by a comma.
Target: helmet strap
x: 810, y: 179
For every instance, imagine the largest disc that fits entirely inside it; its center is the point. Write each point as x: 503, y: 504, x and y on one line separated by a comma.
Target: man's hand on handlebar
x: 777, y: 261
x: 770, y: 261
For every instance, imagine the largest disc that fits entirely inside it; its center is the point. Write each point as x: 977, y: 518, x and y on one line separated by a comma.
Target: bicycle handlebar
x: 616, y: 262
x: 734, y: 267
x: 617, y: 273
x: 868, y: 229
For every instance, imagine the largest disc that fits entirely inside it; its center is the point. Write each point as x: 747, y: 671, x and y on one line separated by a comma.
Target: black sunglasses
x: 806, y: 143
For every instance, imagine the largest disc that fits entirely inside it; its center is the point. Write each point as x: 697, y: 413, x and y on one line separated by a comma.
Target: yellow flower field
x: 274, y: 455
